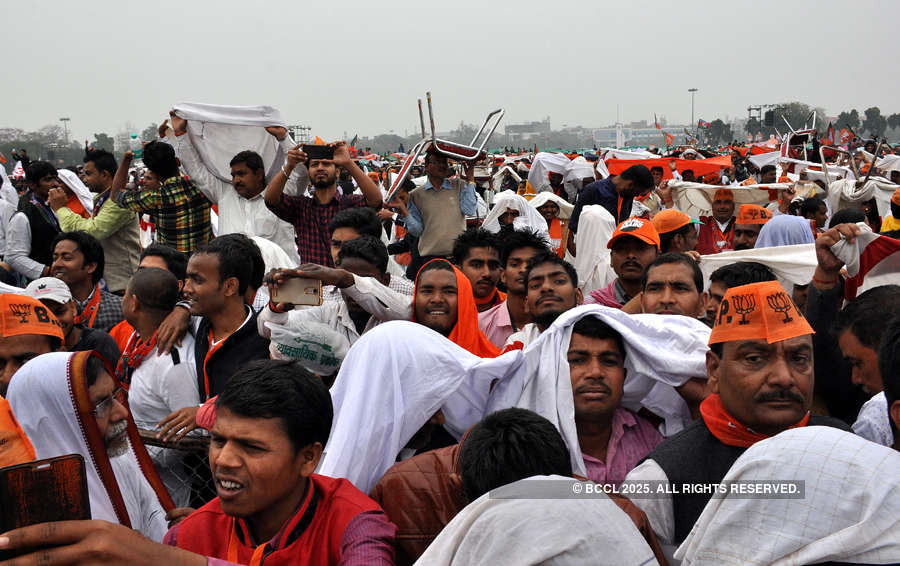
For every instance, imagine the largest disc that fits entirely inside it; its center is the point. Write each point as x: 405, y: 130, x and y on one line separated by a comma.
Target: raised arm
x: 275, y: 188
x: 366, y: 185
x: 209, y: 184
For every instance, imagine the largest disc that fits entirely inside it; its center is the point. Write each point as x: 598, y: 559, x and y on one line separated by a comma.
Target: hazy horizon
x: 357, y: 68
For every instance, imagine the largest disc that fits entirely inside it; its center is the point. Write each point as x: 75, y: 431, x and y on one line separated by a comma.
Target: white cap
x: 49, y: 288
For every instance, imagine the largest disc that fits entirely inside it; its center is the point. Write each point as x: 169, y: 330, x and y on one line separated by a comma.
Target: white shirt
x: 659, y: 509
x: 236, y: 213
x: 158, y: 388
x: 529, y: 333
x: 873, y: 422
x: 144, y: 511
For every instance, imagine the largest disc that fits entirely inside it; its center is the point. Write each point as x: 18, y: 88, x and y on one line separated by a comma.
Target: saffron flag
x: 702, y: 124
x: 670, y: 139
x: 845, y: 135
x: 320, y: 141
x: 656, y: 122
x: 2, y: 157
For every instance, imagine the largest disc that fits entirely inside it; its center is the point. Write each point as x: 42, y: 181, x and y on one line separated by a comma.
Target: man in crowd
x: 56, y: 296
x: 241, y: 207
x: 749, y: 221
x: 767, y: 175
x: 677, y: 231
x: 273, y: 419
x: 32, y: 229
x: 760, y: 370
x: 160, y: 383
x: 116, y: 228
x: 502, y: 320
x: 351, y: 223
x: 476, y: 253
x: 717, y: 232
x: 67, y: 403
x: 673, y: 284
x: 633, y: 245
x: 814, y: 208
x: 364, y: 298
x: 889, y: 366
x: 27, y: 330
x: 733, y: 275
x: 443, y: 302
x: 551, y: 289
x: 180, y: 211
x: 437, y: 211
x: 79, y: 261
x: 612, y: 439
x: 310, y: 217
x: 615, y: 194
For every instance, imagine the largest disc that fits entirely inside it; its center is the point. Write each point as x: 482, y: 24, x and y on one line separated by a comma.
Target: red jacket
x: 334, y: 521
x: 710, y: 240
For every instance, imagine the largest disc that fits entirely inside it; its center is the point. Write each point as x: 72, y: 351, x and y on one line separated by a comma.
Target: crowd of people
x: 524, y: 358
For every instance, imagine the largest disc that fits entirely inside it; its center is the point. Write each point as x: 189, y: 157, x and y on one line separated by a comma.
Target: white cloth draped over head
x: 219, y: 132
x: 660, y: 350
x: 565, y: 207
x: 889, y: 163
x: 785, y: 230
x: 76, y: 186
x: 544, y: 163
x: 529, y: 218
x: 850, y: 510
x: 695, y: 199
x: 592, y: 262
x: 421, y: 372
x: 792, y: 265
x: 576, y: 170
x: 395, y: 378
x: 506, y: 527
x: 845, y: 194
x: 40, y: 397
x: 498, y: 176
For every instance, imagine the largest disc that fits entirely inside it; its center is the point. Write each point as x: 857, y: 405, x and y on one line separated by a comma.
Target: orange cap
x: 896, y: 197
x: 638, y: 228
x: 724, y: 194
x: 23, y: 315
x: 753, y: 214
x: 670, y: 219
x: 758, y: 311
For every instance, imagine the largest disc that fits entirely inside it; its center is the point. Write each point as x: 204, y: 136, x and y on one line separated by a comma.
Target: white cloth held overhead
x: 695, y: 199
x: 218, y: 132
x: 544, y: 163
x: 506, y: 526
x: 576, y: 170
x: 849, y: 512
x: 844, y: 194
x: 8, y: 191
x: 792, y: 265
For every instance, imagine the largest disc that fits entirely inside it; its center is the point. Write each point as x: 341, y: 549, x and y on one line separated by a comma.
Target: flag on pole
x: 2, y: 158
x: 702, y: 124
x: 871, y: 260
x: 656, y: 122
x: 354, y: 140
x: 829, y: 134
x: 670, y: 139
x: 845, y: 135
x: 319, y: 141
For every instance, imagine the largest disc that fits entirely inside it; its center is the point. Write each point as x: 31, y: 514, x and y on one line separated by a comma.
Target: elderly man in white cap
x: 56, y: 296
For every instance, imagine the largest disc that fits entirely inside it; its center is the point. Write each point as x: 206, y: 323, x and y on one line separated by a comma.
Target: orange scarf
x: 494, y: 298
x: 466, y: 332
x: 75, y: 206
x: 132, y: 356
x: 89, y: 313
x: 727, y: 429
x: 555, y: 232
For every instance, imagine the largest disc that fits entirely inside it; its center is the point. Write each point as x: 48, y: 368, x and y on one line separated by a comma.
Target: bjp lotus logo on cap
x: 780, y: 303
x: 23, y: 310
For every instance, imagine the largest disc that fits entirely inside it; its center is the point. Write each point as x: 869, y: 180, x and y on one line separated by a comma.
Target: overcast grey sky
x: 358, y: 66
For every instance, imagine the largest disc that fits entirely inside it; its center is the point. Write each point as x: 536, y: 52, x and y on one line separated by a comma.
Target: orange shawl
x: 466, y: 332
x: 727, y: 429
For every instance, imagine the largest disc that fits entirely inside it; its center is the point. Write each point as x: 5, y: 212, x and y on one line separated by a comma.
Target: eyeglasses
x: 105, y: 405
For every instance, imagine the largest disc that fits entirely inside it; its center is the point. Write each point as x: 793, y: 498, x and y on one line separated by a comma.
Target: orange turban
x: 724, y: 194
x: 758, y: 311
x: 466, y: 332
x: 895, y: 198
x: 753, y: 214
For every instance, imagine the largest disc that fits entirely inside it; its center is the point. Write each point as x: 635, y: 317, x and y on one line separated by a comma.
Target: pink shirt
x: 495, y: 324
x: 632, y: 438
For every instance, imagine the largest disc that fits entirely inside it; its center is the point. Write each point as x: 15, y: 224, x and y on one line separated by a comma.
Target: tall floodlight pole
x: 693, y: 91
x: 65, y: 122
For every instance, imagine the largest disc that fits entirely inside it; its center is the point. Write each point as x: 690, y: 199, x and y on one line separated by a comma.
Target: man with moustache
x: 747, y: 225
x: 760, y: 372
x: 634, y: 244
x: 717, y: 232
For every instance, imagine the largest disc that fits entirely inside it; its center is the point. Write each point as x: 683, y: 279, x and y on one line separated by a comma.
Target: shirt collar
x: 444, y: 185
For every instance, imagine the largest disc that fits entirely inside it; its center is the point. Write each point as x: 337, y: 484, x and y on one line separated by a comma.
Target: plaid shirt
x: 109, y: 313
x: 180, y: 210
x: 310, y: 220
